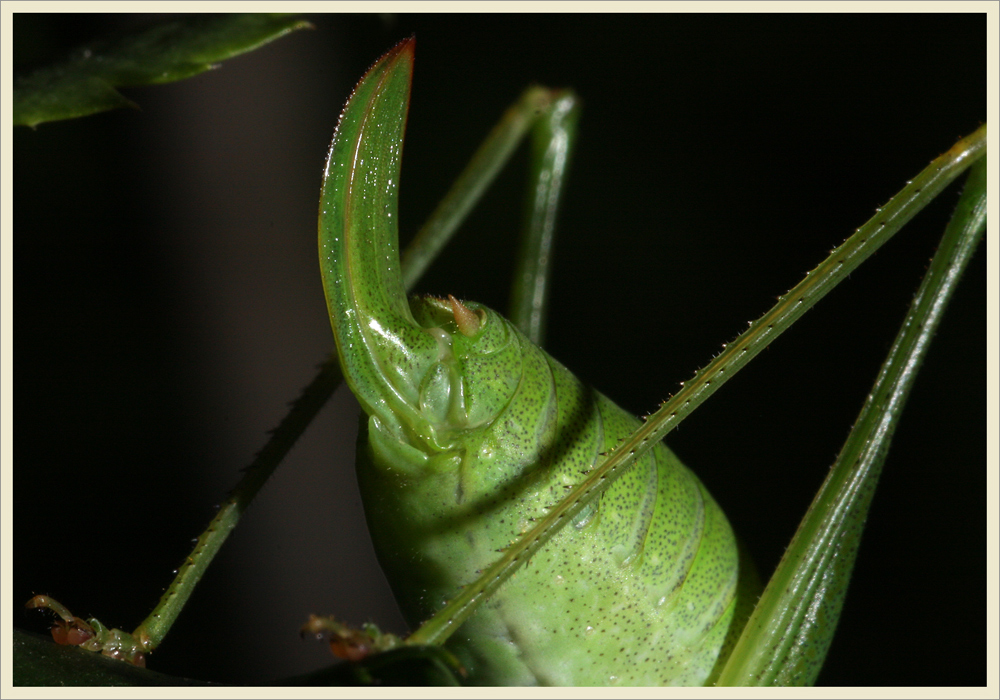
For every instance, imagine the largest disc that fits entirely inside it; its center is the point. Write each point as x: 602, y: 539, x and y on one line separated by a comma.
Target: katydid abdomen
x: 473, y: 432
x: 640, y: 590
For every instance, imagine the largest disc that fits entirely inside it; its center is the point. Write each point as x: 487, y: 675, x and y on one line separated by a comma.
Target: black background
x: 169, y: 305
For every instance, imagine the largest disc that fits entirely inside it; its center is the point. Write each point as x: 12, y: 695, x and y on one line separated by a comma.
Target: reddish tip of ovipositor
x: 401, y: 51
x: 408, y: 44
x: 403, y: 48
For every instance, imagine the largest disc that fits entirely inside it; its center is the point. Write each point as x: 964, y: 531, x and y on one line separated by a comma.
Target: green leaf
x: 85, y: 82
x: 38, y: 661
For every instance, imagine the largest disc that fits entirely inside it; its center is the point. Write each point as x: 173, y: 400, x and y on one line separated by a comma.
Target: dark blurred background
x: 169, y: 305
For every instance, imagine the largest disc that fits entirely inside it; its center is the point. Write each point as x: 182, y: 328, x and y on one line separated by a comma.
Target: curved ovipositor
x: 472, y: 432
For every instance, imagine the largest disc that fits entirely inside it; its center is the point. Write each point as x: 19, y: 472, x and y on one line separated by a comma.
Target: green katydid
x: 470, y: 295
x: 473, y: 435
